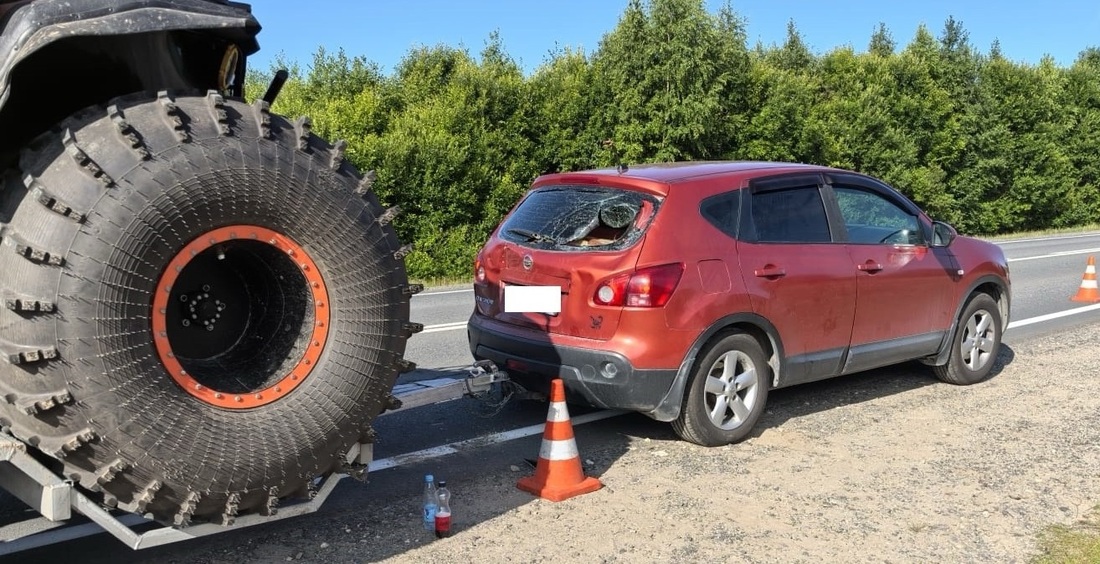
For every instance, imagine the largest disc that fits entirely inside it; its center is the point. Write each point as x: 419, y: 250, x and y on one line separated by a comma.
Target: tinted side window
x: 792, y: 215
x: 722, y: 211
x: 872, y: 219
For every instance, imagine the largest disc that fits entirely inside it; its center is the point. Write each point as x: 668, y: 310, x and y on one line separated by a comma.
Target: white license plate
x: 532, y: 299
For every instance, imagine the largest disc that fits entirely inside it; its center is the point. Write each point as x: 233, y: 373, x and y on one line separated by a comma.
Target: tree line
x: 988, y: 144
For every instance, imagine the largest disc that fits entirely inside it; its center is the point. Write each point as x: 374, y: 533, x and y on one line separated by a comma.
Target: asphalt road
x: 1046, y: 272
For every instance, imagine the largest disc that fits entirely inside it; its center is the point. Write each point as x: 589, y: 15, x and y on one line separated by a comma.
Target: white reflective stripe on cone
x: 1088, y: 284
x: 557, y: 412
x: 558, y: 450
x: 1090, y: 269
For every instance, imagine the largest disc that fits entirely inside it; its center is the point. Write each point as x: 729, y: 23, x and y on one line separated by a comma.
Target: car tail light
x: 479, y: 271
x: 648, y: 287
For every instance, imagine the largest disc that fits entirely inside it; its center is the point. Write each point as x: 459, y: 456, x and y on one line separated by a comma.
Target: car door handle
x: 770, y: 271
x: 870, y: 267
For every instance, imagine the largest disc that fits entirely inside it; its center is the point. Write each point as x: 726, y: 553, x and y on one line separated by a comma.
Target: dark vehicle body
x: 176, y: 264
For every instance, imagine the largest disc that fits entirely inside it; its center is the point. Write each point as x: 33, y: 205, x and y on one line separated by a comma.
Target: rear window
x: 580, y: 218
x: 792, y: 215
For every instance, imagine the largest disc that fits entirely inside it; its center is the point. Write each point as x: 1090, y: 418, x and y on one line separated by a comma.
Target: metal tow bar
x: 60, y: 502
x: 481, y: 376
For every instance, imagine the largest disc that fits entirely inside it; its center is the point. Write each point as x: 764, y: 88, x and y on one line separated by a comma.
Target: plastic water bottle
x: 429, y: 502
x: 443, y: 513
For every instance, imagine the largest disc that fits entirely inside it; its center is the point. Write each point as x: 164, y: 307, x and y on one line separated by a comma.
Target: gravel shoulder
x: 886, y: 466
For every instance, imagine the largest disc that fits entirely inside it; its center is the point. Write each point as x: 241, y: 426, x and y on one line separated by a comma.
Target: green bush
x: 988, y: 144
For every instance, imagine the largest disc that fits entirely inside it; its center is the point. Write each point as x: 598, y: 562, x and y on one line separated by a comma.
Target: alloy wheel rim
x: 979, y: 340
x: 731, y: 390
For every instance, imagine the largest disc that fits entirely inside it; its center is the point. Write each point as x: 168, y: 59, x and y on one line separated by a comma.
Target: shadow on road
x: 380, y: 519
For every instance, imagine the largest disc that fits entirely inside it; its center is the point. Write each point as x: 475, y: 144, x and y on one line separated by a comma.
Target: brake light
x: 648, y: 287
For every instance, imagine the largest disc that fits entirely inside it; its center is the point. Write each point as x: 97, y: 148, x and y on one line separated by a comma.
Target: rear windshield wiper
x: 533, y: 237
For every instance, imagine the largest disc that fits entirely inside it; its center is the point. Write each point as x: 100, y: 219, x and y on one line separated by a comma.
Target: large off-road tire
x: 205, y: 305
x: 975, y: 344
x: 727, y: 392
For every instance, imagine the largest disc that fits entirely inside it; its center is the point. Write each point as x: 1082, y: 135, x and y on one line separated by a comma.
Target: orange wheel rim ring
x: 316, y: 343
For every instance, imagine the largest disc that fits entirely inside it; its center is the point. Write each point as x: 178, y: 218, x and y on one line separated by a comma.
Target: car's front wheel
x: 975, y: 344
x: 728, y: 390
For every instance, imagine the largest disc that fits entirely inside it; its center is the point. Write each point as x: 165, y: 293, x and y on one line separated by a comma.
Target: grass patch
x: 1073, y: 544
x: 1044, y: 232
x: 454, y: 282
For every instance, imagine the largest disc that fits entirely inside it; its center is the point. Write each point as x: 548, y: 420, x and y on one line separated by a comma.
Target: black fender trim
x: 31, y: 26
x: 669, y: 407
x: 940, y: 358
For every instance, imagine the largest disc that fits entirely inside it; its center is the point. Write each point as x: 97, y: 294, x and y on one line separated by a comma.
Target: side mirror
x: 942, y: 234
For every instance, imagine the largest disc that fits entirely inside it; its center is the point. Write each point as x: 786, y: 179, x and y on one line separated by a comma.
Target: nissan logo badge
x: 528, y: 262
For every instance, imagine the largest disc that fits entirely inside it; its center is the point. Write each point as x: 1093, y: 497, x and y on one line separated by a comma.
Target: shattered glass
x: 578, y: 218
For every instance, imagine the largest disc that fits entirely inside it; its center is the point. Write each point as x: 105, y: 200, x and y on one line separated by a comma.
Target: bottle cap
x: 428, y: 478
x: 443, y: 483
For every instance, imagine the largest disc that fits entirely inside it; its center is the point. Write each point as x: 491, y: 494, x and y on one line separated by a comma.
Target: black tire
x: 737, y: 362
x: 975, y: 344
x: 90, y: 222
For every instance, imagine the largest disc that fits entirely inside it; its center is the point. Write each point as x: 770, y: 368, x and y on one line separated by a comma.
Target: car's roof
x: 672, y: 173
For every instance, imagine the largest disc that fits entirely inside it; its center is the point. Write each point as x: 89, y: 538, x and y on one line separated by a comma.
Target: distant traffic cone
x: 558, y: 475
x: 1088, y: 291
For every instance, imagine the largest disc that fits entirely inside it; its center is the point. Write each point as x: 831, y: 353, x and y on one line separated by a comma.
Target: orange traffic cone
x: 1088, y: 291
x: 558, y: 475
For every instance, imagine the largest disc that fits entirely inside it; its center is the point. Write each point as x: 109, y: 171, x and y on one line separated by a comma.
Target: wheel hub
x: 732, y: 373
x: 240, y: 316
x: 201, y: 310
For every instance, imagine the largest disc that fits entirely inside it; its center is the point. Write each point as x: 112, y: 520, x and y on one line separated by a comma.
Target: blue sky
x: 385, y: 31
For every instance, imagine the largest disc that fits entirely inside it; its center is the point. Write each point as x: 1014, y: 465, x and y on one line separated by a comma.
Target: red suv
x: 686, y: 291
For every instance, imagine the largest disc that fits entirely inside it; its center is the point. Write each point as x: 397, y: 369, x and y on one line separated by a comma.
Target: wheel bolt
x: 186, y: 322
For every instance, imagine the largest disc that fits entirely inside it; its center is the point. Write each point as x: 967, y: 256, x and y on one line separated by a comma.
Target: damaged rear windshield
x: 578, y: 218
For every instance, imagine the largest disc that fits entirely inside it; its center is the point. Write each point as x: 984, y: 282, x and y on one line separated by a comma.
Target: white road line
x: 504, y: 436
x: 1055, y: 315
x: 444, y: 327
x: 443, y: 292
x: 477, y: 442
x: 1058, y: 254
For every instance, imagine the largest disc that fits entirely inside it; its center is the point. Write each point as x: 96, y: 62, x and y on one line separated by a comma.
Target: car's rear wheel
x: 975, y: 344
x: 727, y: 393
